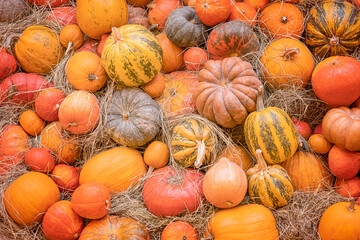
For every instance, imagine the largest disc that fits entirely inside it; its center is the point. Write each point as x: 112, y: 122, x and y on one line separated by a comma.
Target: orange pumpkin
x: 101, y: 44
x: 79, y: 112
x: 155, y: 87
x: 244, y: 12
x: 343, y: 164
x: 190, y: 3
x: 47, y: 103
x: 89, y: 45
x: 65, y: 147
x: 71, y: 37
x: 257, y: 4
x: 156, y: 155
x: 238, y: 155
x: 31, y: 122
x: 40, y: 159
x: 61, y: 222
x: 280, y: 20
x: 29, y: 196
x: 139, y: 3
x: 195, y: 58
x: 179, y: 230
x: 85, y: 72
x: 159, y: 10
x: 213, y: 12
x: 173, y: 56
x: 349, y: 188
x: 66, y: 177
x: 319, y: 144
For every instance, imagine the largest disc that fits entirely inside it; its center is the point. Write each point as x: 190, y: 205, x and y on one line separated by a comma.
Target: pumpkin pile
x: 146, y: 119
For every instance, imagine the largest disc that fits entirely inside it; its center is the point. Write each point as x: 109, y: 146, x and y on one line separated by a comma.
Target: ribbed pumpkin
x: 132, y: 117
x: 333, y: 28
x: 238, y: 155
x: 287, y: 62
x: 269, y: 185
x: 307, y: 172
x: 117, y: 168
x: 271, y: 130
x: 159, y: 10
x: 192, y: 143
x: 114, y: 227
x: 96, y: 17
x: 38, y: 49
x: 173, y: 56
x: 31, y: 122
x: 71, y: 37
x: 122, y: 65
x: 179, y: 230
x: 246, y: 222
x: 66, y: 177
x: 47, y: 104
x: 29, y: 196
x: 8, y: 64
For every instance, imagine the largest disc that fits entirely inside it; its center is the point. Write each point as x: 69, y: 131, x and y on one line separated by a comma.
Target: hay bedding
x: 297, y: 220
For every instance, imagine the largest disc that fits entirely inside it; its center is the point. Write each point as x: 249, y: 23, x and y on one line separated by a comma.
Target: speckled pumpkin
x: 132, y: 56
x: 133, y: 118
x: 192, y: 143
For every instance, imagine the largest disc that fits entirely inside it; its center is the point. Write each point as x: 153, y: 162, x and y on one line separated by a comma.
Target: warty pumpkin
x: 122, y: 65
x: 40, y: 159
x: 96, y: 17
x: 179, y: 230
x: 213, y: 12
x: 173, y: 56
x: 66, y: 177
x: 71, y: 37
x: 271, y: 130
x: 159, y: 11
x: 47, y: 103
x: 343, y: 164
x: 192, y: 143
x: 238, y: 155
x: 227, y: 91
x: 8, y: 64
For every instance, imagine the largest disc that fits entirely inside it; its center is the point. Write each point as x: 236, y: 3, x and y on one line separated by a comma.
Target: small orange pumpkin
x: 244, y: 12
x: 155, y: 87
x: 71, y: 37
x: 173, y: 56
x: 179, y: 230
x: 31, y: 123
x: 213, y: 12
x: 257, y: 4
x: 47, y: 103
x: 156, y: 155
x: 40, y: 159
x: 319, y: 144
x: 66, y: 177
x: 195, y: 58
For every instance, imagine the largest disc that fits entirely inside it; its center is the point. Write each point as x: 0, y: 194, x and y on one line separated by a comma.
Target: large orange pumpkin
x: 173, y: 56
x: 28, y: 197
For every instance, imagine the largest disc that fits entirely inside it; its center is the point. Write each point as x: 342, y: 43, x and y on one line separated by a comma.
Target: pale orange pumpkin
x: 155, y: 87
x: 319, y: 144
x: 156, y: 155
x: 31, y: 123
x: 238, y: 155
x: 71, y: 37
x: 173, y: 56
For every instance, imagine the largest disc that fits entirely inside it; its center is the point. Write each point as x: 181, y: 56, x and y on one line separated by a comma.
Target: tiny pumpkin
x: 40, y: 159
x: 156, y: 155
x: 71, y: 37
x: 31, y: 122
x: 195, y: 58
x: 319, y: 144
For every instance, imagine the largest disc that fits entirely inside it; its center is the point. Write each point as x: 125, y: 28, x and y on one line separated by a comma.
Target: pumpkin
x: 213, y: 12
x: 238, y: 155
x: 48, y: 3
x: 138, y: 15
x: 114, y: 227
x: 155, y: 87
x: 85, y: 72
x: 179, y: 230
x: 258, y: 4
x: 244, y: 12
x: 343, y: 164
x: 173, y: 56
x: 66, y: 177
x: 307, y: 172
x: 63, y: 15
x: 156, y: 155
x: 29, y: 196
x: 190, y: 3
x: 79, y: 112
x: 336, y: 35
x: 91, y: 200
x: 318, y: 129
x: 71, y: 37
x: 101, y: 44
x: 8, y: 64
x: 195, y: 58
x: 269, y: 185
x: 89, y: 45
x: 232, y: 39
x: 22, y: 88
x: 167, y: 192
x: 139, y: 3
x: 65, y: 148
x: 38, y: 49
x: 132, y: 117
x: 326, y: 85
x: 248, y: 222
x: 159, y: 10
x: 11, y: 10
x: 40, y: 159
x: 192, y: 143
x: 287, y: 62
x: 47, y: 103
x: 340, y: 221
x: 227, y: 91
x: 319, y: 144
x: 96, y: 17
x: 117, y: 168
x: 303, y: 128
x: 184, y: 28
x: 31, y: 123
x: 349, y: 188
x: 279, y: 20
x: 340, y: 127
x: 177, y: 97
x: 13, y: 144
x: 225, y: 184
x: 270, y: 130
x: 61, y: 222
x: 119, y: 61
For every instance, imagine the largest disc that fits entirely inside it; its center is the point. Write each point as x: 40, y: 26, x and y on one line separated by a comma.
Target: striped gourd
x: 132, y: 56
x: 269, y: 185
x: 192, y: 143
x: 333, y: 28
x: 271, y: 130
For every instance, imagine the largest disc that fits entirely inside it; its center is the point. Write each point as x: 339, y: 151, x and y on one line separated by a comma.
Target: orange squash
x: 173, y: 56
x: 238, y: 155
x: 31, y: 122
x: 156, y: 155
x: 179, y: 230
x: 47, y: 103
x: 319, y: 144
x: 71, y: 37
x: 155, y: 87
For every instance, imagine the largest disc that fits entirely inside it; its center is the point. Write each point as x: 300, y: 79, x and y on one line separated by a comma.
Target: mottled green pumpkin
x: 271, y: 130
x: 269, y: 185
x: 192, y: 143
x: 132, y: 56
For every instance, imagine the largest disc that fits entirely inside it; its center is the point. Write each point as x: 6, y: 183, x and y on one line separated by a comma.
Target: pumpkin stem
x: 107, y: 204
x: 116, y: 34
x: 112, y: 237
x: 290, y: 53
x: 284, y: 19
x: 260, y: 99
x: 92, y: 77
x: 72, y: 124
x: 334, y: 41
x: 201, y: 147
x: 69, y: 47
x: 9, y: 39
x: 76, y: 236
x: 351, y: 207
x: 153, y: 26
x: 261, y: 161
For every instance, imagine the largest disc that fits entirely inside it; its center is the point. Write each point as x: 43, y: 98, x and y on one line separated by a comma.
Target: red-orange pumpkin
x: 195, y: 58
x: 213, y: 12
x: 244, y: 12
x: 348, y: 188
x: 48, y: 3
x: 343, y: 164
x: 66, y: 177
x: 303, y: 128
x: 180, y: 230
x: 8, y: 63
x: 47, y: 104
x: 40, y: 159
x: 89, y: 45
x: 159, y: 10
x: 257, y: 4
x: 63, y: 15
x: 101, y: 44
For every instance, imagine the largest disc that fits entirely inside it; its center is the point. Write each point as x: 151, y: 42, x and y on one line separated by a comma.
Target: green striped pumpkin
x: 333, y: 28
x: 269, y: 185
x: 271, y: 130
x: 192, y: 143
x: 132, y: 56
